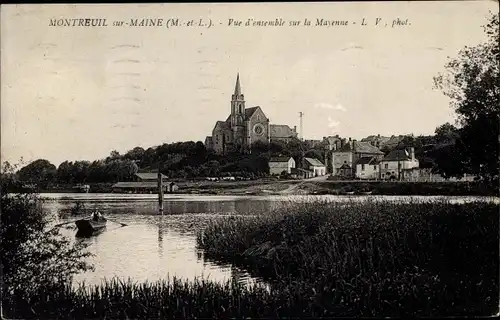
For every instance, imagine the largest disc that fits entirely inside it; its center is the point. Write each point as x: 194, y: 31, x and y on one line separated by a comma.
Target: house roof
x: 281, y: 131
x: 331, y: 139
x: 360, y: 147
x: 345, y: 166
x: 279, y: 159
x: 142, y: 184
x: 367, y: 160
x: 314, y: 162
x: 397, y: 155
x: 149, y: 175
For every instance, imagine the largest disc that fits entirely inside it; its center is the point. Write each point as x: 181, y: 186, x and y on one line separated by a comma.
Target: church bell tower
x: 237, y: 105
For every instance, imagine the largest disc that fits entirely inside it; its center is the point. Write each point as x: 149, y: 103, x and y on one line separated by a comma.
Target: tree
x: 8, y: 177
x: 40, y: 171
x: 472, y: 82
x: 34, y: 255
x: 446, y: 133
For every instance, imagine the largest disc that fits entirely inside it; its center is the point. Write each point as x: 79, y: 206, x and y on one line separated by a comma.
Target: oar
x: 122, y: 224
x: 62, y: 224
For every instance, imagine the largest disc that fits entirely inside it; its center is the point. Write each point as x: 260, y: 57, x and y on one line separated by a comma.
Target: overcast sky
x: 76, y: 93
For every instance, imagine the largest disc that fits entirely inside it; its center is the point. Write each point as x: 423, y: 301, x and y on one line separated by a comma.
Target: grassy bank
x: 374, y: 258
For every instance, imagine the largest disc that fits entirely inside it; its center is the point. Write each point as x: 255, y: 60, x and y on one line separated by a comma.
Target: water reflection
x: 160, y: 236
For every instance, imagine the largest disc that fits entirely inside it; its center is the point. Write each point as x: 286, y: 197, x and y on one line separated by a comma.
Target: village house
x: 315, y: 166
x: 278, y: 165
x: 367, y: 168
x: 345, y: 157
x: 393, y: 164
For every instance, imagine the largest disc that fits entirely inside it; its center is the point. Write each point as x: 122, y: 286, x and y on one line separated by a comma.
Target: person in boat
x: 96, y: 216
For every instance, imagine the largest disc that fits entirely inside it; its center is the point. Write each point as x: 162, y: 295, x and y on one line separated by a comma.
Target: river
x: 153, y: 247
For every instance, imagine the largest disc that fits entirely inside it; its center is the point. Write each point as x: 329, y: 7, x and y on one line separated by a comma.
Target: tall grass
x: 372, y: 258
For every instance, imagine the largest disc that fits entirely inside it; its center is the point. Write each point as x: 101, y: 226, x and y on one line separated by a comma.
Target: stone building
x: 345, y: 158
x: 278, y: 165
x: 393, y: 164
x: 244, y: 126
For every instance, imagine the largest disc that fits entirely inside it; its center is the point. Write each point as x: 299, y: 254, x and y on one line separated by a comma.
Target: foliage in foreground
x: 374, y: 258
x: 34, y: 255
x: 324, y: 259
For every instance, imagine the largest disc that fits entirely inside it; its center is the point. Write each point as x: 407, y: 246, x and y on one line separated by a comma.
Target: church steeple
x: 237, y: 88
x: 237, y: 104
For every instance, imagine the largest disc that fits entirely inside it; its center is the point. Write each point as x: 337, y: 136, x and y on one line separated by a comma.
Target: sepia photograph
x: 250, y: 160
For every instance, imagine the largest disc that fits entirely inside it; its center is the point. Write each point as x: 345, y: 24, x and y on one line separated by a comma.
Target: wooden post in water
x: 160, y: 192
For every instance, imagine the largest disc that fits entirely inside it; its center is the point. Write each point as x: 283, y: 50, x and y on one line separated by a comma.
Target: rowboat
x: 89, y: 227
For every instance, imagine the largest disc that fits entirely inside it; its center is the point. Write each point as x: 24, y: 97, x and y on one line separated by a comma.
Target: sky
x: 76, y: 93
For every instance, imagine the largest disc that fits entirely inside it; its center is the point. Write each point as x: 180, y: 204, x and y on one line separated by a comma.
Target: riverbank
x: 313, y: 186
x: 372, y: 258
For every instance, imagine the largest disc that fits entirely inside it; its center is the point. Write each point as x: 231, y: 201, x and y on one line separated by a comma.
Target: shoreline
x: 309, y: 187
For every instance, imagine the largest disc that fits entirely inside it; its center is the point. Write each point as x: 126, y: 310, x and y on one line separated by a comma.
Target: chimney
x: 294, y: 128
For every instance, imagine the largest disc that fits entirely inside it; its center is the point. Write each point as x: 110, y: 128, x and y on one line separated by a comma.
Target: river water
x: 153, y: 247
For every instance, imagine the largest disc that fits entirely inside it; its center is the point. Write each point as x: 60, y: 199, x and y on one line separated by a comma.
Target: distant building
x: 244, y: 126
x: 277, y: 165
x: 137, y: 187
x: 367, y: 168
x: 148, y: 176
x: 312, y: 143
x: 316, y: 166
x: 332, y: 143
x: 282, y: 133
x: 144, y: 182
x: 348, y: 155
x: 393, y: 164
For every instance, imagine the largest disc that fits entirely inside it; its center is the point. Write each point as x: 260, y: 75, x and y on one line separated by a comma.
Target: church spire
x: 237, y: 88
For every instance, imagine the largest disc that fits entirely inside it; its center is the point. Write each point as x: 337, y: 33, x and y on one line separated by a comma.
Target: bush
x: 34, y: 256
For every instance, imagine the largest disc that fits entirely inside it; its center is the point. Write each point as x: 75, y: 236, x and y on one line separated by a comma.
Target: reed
x: 375, y: 257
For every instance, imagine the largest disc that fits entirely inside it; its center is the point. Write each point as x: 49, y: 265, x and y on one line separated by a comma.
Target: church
x: 245, y: 126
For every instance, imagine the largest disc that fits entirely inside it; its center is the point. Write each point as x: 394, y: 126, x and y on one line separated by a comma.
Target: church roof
x: 249, y: 112
x: 281, y: 131
x: 222, y: 124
